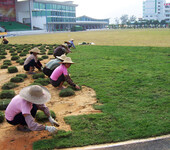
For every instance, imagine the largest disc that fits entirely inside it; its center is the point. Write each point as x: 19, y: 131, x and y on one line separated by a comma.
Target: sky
x: 101, y: 9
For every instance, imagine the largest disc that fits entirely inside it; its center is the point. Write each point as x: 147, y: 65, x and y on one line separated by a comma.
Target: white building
x: 156, y: 10
x: 52, y: 15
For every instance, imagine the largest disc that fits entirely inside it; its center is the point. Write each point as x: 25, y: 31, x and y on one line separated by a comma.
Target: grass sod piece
x: 15, y: 57
x: 41, y: 117
x: 21, y: 75
x: 66, y: 92
x: 17, y: 79
x: 14, y: 54
x: 5, y: 94
x: 41, y: 81
x: 50, y: 52
x: 4, y: 66
x: 23, y: 54
x: 38, y: 75
x: 9, y: 85
x: 4, y: 103
x: 7, y: 63
x: 21, y: 62
x: 132, y: 85
x: 12, y: 69
x: 44, y: 57
x: 40, y: 58
x: 2, y: 116
x: 2, y: 57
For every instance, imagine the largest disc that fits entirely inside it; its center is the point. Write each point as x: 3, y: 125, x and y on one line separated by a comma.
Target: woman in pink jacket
x: 60, y: 74
x: 23, y: 107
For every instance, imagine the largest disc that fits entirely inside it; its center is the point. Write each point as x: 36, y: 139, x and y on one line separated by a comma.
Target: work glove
x: 53, y: 122
x: 51, y: 129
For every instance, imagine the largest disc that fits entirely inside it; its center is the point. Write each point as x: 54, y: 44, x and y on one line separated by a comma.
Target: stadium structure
x: 50, y: 15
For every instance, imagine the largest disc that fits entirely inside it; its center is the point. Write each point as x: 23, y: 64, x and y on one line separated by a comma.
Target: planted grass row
x: 132, y: 86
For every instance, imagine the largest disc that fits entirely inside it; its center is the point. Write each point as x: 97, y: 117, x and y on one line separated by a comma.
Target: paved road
x: 162, y: 144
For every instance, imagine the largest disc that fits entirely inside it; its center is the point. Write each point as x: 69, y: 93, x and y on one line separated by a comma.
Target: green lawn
x: 132, y: 87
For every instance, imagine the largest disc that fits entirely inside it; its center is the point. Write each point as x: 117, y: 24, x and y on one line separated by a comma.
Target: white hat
x: 35, y: 50
x: 67, y: 60
x: 35, y: 94
x: 62, y: 57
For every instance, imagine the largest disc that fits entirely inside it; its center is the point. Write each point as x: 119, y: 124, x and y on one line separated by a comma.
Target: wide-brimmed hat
x: 35, y: 50
x: 71, y: 39
x: 65, y: 45
x: 67, y: 61
x: 62, y: 57
x: 35, y: 94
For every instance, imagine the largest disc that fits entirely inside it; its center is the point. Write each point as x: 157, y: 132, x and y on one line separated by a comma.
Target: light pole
x: 30, y: 8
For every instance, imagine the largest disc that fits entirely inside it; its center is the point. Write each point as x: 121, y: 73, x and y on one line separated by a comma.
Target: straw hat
x: 35, y: 94
x: 65, y: 45
x: 71, y: 39
x: 67, y: 60
x: 62, y: 57
x: 35, y: 50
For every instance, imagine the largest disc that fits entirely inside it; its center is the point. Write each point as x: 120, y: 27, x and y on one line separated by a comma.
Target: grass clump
x: 42, y: 81
x: 23, y: 54
x: 41, y: 117
x: 2, y: 116
x: 38, y: 75
x: 7, y: 63
x: 44, y: 57
x: 16, y: 57
x: 4, y: 66
x: 21, y: 75
x: 9, y: 85
x: 66, y: 92
x: 2, y: 57
x: 12, y: 69
x: 17, y: 79
x: 4, y: 103
x: 7, y: 94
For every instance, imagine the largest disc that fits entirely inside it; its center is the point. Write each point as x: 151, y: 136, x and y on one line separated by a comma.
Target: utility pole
x: 30, y: 8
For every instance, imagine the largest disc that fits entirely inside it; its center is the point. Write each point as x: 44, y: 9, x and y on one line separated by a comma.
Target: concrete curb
x: 113, y: 145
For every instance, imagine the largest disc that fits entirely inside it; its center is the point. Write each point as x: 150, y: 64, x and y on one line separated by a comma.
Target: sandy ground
x: 80, y: 103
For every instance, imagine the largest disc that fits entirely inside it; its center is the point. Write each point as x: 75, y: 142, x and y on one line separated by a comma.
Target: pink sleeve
x: 32, y: 125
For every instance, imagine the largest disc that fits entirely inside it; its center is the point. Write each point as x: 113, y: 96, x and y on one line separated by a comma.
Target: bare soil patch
x: 80, y: 103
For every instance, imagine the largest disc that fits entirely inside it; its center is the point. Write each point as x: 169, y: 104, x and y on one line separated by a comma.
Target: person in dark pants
x: 60, y: 75
x: 23, y: 107
x: 52, y: 64
x: 71, y: 44
x: 60, y: 50
x: 4, y: 40
x: 32, y: 61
